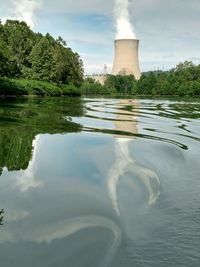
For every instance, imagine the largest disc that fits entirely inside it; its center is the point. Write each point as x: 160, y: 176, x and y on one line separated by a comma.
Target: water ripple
x: 132, y: 118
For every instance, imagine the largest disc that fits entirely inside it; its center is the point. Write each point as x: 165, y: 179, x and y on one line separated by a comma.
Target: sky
x: 169, y: 31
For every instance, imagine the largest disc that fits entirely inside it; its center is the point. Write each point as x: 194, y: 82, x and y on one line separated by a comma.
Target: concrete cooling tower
x: 126, y: 58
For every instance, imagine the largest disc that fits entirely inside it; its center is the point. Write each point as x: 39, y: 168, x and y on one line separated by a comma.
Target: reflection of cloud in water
x: 126, y: 164
x: 28, y: 179
x: 70, y: 226
x: 63, y: 229
x: 16, y: 215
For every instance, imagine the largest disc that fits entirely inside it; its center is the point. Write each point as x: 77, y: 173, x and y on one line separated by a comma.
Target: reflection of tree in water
x: 16, y: 149
x: 1, y: 216
x: 23, y: 119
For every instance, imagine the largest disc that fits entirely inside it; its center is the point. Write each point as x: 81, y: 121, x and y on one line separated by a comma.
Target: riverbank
x: 22, y: 87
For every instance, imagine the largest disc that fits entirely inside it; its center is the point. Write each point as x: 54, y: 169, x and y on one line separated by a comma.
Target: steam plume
x: 123, y: 19
x: 25, y: 10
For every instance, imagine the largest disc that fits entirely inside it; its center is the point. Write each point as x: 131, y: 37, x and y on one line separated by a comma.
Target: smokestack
x: 126, y: 58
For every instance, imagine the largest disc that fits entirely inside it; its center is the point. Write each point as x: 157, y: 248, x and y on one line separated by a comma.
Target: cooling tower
x: 126, y: 58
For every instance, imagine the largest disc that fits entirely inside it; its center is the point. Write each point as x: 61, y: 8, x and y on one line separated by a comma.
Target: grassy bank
x: 20, y: 87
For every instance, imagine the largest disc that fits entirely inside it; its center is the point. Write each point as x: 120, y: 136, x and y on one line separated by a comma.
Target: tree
x: 147, y: 84
x: 4, y: 54
x: 189, y: 89
x: 25, y: 54
x: 122, y: 84
x: 162, y: 87
x: 4, y: 59
x: 77, y: 69
x: 42, y: 61
x: 184, y: 65
x: 20, y: 40
x: 61, y: 41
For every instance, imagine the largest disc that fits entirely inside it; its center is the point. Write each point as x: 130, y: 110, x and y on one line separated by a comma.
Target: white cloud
x: 23, y: 10
x: 163, y: 27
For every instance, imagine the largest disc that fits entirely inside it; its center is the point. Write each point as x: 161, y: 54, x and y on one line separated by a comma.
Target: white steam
x: 24, y: 10
x: 122, y: 12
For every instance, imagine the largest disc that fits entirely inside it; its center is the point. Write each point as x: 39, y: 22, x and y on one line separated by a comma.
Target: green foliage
x: 29, y: 87
x: 183, y: 80
x: 70, y: 90
x: 91, y: 87
x: 184, y: 65
x: 42, y: 61
x: 17, y: 87
x: 121, y: 84
x: 12, y: 87
x: 41, y: 88
x: 20, y: 41
x: 29, y: 55
x: 5, y: 57
x: 147, y: 84
x: 191, y: 88
x: 89, y: 80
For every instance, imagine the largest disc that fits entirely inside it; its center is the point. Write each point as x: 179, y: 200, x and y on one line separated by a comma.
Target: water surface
x: 99, y: 182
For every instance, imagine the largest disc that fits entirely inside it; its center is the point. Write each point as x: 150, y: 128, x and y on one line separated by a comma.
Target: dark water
x: 99, y: 182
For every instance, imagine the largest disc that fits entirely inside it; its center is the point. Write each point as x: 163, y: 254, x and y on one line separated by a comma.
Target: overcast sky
x: 168, y: 30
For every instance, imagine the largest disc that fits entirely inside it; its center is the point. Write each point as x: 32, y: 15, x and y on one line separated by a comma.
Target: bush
x: 121, y: 84
x: 12, y: 87
x: 95, y: 88
x: 189, y: 89
x: 43, y: 88
x: 28, y: 87
x: 70, y: 90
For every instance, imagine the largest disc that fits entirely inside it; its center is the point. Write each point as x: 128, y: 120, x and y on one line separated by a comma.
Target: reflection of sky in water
x: 28, y: 178
x: 94, y: 123
x: 103, y: 115
x: 126, y: 164
x: 72, y: 156
x: 67, y: 199
x: 62, y: 193
x: 87, y: 198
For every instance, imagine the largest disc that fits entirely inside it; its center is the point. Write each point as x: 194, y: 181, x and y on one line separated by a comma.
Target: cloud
x: 23, y: 10
x: 163, y: 27
x: 123, y: 23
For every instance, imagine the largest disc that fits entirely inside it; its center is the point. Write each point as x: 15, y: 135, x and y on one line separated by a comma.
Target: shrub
x: 70, y: 90
x: 189, y: 89
x: 12, y: 87
x: 28, y: 87
x: 95, y: 88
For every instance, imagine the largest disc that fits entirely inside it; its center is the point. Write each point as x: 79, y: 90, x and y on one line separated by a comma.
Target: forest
x: 31, y: 63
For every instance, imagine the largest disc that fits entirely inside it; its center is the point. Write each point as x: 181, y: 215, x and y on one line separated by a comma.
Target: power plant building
x: 126, y: 60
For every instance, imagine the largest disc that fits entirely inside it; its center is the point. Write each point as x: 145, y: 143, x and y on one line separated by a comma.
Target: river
x: 96, y: 182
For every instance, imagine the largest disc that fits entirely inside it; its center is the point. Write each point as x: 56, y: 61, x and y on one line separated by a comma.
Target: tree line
x: 28, y: 55
x: 183, y: 80
x: 36, y: 64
